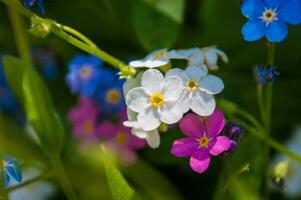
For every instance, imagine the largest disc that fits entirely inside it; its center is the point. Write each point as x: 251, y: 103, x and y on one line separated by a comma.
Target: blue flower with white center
x: 266, y: 75
x: 85, y: 75
x: 269, y: 18
x: 12, y: 170
x: 111, y: 100
x: 30, y: 3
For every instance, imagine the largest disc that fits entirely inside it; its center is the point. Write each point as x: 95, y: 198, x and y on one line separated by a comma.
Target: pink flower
x: 203, y: 140
x: 120, y: 140
x: 84, y: 117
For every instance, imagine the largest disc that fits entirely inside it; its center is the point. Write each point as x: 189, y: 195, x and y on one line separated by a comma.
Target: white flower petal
x: 185, y: 101
x: 140, y: 133
x: 211, y: 84
x: 211, y: 57
x: 153, y: 139
x: 154, y: 59
x: 196, y: 72
x: 182, y: 53
x: 132, y: 83
x: 152, y: 80
x: 171, y: 113
x: 202, y: 104
x: 173, y: 88
x: 148, y: 119
x: 156, y: 63
x: 131, y: 124
x: 197, y: 58
x: 177, y: 72
x: 223, y: 55
x: 137, y: 63
x: 132, y: 116
x: 137, y: 100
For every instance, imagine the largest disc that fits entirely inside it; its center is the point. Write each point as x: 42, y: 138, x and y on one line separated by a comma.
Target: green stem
x: 74, y: 37
x: 3, y: 191
x: 62, y: 178
x: 19, y: 31
x: 43, y: 176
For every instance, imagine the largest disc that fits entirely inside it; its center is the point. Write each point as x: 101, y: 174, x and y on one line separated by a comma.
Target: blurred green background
x: 132, y: 28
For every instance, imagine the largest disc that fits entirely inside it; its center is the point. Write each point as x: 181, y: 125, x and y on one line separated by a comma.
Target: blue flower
x: 12, y: 170
x: 30, y: 3
x: 266, y: 75
x: 86, y: 75
x: 8, y: 102
x: 269, y: 18
x: 111, y: 100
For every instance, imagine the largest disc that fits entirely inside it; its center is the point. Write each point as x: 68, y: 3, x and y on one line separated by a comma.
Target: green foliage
x: 119, y: 187
x: 157, y: 22
x: 36, y: 101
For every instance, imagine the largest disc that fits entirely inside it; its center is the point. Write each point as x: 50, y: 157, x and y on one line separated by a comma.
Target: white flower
x: 155, y: 59
x: 211, y: 55
x: 152, y: 137
x: 156, y: 100
x: 199, y: 89
x: 193, y: 55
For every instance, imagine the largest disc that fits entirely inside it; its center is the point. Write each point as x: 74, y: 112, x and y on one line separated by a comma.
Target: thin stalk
x: 62, y: 178
x: 3, y: 191
x: 43, y: 176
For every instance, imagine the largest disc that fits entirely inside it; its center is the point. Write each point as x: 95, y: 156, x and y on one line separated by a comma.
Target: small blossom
x: 85, y: 75
x: 199, y: 88
x: 12, y: 170
x: 211, y: 55
x: 156, y: 100
x: 155, y: 59
x: 84, y: 117
x: 30, y: 3
x: 120, y: 139
x: 203, y: 140
x: 234, y: 132
x: 266, y: 75
x: 269, y: 18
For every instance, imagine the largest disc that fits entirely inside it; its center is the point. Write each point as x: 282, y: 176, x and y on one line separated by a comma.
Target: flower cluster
x: 100, y: 103
x: 269, y: 18
x: 155, y: 99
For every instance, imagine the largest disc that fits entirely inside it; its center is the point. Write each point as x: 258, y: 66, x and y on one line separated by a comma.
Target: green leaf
x: 157, y: 22
x: 35, y: 99
x: 119, y: 187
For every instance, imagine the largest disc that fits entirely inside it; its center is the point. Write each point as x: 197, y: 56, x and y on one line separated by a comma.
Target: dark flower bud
x: 266, y: 75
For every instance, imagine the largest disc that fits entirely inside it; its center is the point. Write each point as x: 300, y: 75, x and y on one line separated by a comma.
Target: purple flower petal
x: 277, y: 31
x: 200, y: 160
x: 107, y: 130
x: 253, y: 30
x: 192, y: 126
x: 218, y: 145
x: 252, y: 8
x: 291, y: 12
x: 184, y: 147
x: 215, y: 123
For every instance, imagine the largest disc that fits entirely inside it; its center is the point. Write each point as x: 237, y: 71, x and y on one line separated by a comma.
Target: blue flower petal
x: 252, y: 8
x: 253, y: 30
x: 291, y: 12
x: 274, y: 3
x: 41, y: 7
x: 29, y: 3
x: 277, y: 31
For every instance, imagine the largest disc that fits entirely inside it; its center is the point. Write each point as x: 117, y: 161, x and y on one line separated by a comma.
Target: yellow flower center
x: 192, y: 85
x: 113, y: 96
x: 269, y: 15
x: 122, y: 138
x: 156, y: 100
x: 160, y: 54
x: 87, y: 127
x: 85, y: 72
x: 204, y: 141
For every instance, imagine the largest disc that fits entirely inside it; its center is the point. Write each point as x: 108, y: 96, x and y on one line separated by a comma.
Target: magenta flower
x: 120, y: 140
x: 84, y: 117
x: 203, y: 140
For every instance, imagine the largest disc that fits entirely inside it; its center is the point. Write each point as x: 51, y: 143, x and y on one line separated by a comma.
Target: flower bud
x: 40, y: 27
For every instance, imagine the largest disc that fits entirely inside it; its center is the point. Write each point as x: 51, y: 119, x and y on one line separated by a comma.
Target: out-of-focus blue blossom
x: 8, y: 102
x: 30, y: 3
x: 12, y: 170
x: 111, y: 100
x: 269, y: 18
x: 85, y: 75
x: 266, y: 75
x: 47, y: 62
